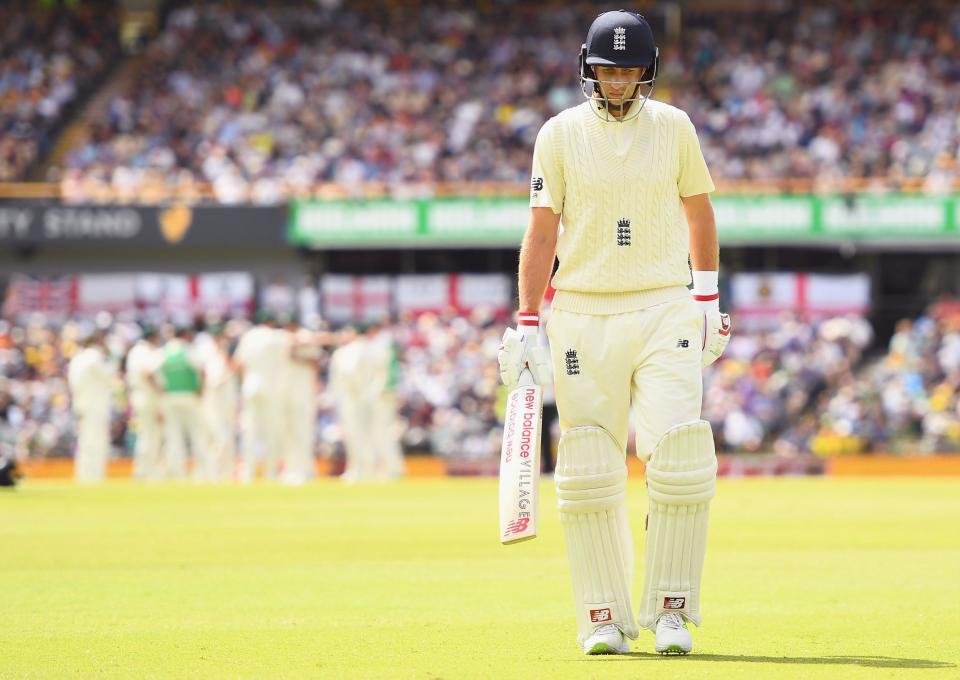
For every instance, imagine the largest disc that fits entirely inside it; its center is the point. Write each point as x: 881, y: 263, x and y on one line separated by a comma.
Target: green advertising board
x: 764, y: 217
x: 885, y: 216
x: 484, y: 222
x: 500, y: 222
x: 320, y: 223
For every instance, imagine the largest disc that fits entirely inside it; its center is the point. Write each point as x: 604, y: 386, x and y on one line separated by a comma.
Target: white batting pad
x: 681, y: 480
x: 591, y: 478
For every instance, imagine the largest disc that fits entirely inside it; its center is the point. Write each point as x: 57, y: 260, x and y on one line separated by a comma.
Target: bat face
x: 520, y: 464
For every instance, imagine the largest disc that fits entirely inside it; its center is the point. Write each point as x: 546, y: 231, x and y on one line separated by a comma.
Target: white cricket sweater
x: 624, y: 241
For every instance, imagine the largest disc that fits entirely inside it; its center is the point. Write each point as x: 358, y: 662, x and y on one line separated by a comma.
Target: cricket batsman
x: 626, y: 177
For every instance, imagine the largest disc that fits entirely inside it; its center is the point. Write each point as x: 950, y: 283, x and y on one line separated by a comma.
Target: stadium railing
x: 157, y: 193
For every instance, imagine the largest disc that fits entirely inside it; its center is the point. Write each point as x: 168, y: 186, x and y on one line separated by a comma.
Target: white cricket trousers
x: 263, y: 431
x: 387, y: 436
x: 147, y: 462
x: 93, y: 442
x: 359, y: 442
x: 220, y: 417
x: 645, y: 363
x: 299, y: 431
x: 182, y: 421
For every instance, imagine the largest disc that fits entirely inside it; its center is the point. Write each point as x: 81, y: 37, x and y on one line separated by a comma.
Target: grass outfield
x: 805, y: 578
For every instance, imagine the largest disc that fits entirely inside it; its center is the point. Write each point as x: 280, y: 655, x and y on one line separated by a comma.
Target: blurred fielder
x: 90, y: 376
x: 301, y: 404
x: 262, y: 356
x: 179, y: 376
x: 384, y: 424
x: 626, y: 337
x: 221, y: 402
x: 351, y: 379
x: 142, y: 360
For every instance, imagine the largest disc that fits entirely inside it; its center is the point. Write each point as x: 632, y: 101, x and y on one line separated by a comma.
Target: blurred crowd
x: 824, y: 92
x: 47, y: 60
x: 263, y: 104
x: 255, y: 104
x: 758, y: 395
x: 451, y: 385
x: 800, y: 388
x: 35, y: 415
x: 443, y: 383
x: 910, y: 394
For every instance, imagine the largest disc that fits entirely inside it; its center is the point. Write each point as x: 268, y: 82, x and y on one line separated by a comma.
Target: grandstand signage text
x: 740, y: 219
x: 38, y: 224
x: 56, y: 224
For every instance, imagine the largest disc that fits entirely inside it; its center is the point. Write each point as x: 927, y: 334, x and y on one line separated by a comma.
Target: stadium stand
x: 35, y: 416
x: 903, y: 402
x: 766, y: 381
x: 800, y: 389
x: 243, y: 104
x: 825, y: 92
x: 49, y: 60
x: 268, y: 103
x: 265, y: 104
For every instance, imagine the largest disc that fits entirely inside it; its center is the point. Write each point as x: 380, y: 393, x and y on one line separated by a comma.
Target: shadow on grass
x: 866, y: 661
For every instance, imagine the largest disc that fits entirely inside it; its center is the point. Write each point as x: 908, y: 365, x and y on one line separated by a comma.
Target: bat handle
x: 526, y: 378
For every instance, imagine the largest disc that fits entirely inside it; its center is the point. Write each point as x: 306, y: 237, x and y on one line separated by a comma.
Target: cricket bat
x: 520, y: 461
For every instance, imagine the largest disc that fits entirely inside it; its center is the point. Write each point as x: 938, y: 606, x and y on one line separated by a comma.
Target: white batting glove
x: 716, y: 325
x: 520, y: 349
x: 716, y: 336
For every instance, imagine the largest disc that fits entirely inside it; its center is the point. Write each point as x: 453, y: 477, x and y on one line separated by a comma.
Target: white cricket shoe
x: 673, y: 636
x: 606, y: 639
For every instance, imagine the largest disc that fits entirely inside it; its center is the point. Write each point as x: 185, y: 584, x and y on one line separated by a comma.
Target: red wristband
x: 528, y: 319
x: 706, y: 298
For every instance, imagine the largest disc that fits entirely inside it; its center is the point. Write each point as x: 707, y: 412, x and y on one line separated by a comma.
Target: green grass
x: 805, y: 578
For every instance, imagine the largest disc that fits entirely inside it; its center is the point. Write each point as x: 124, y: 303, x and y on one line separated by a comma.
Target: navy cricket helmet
x: 620, y: 39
